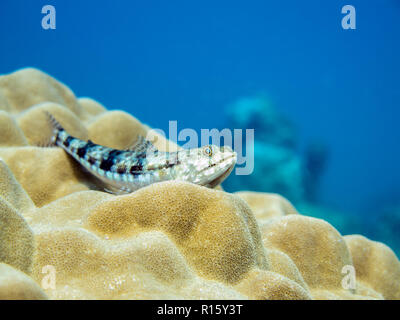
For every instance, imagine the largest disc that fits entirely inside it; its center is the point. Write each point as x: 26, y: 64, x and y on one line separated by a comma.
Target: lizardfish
x: 124, y: 171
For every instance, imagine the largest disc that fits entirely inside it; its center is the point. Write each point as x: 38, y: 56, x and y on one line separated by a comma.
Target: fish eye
x: 208, y: 151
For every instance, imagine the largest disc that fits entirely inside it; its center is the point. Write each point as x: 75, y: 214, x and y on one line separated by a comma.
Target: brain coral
x: 62, y: 237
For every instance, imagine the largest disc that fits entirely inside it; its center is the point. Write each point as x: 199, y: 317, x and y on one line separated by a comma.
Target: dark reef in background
x: 278, y: 166
x: 316, y: 157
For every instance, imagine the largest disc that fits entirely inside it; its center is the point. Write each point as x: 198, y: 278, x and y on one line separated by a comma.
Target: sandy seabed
x: 61, y: 237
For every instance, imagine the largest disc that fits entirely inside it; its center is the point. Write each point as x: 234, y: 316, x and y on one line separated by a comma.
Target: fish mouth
x: 222, y: 177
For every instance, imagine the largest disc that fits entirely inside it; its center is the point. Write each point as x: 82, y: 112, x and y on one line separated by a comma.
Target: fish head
x: 206, y: 166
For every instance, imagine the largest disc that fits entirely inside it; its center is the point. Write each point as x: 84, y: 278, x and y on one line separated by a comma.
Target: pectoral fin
x: 117, y: 190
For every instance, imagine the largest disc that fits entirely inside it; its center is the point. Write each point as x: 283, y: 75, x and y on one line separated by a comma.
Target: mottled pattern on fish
x: 124, y: 171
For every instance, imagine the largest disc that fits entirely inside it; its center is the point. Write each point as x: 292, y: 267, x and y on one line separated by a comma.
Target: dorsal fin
x: 54, y: 123
x: 56, y: 127
x: 143, y: 146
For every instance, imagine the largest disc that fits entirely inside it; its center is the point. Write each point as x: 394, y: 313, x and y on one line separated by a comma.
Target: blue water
x: 189, y: 60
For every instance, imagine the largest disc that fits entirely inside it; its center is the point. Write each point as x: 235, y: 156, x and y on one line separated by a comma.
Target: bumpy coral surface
x: 62, y: 237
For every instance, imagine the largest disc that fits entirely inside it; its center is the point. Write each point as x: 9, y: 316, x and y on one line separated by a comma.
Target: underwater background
x: 324, y: 101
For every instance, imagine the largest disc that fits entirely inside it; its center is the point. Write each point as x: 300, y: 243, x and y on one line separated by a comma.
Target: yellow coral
x: 170, y: 240
x: 214, y: 230
x: 16, y: 285
x: 27, y: 87
x: 10, y: 133
x: 267, y: 205
x: 317, y: 249
x: 92, y: 107
x: 46, y: 174
x: 267, y: 285
x: 16, y: 238
x: 12, y: 191
x: 376, y: 265
x: 34, y: 123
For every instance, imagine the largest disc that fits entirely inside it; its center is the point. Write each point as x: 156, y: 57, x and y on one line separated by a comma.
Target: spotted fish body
x: 124, y: 171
